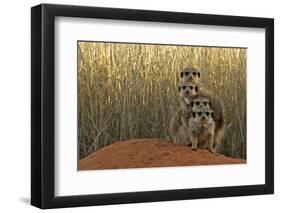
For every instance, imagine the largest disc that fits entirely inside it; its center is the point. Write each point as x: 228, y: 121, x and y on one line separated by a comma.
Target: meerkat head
x: 190, y: 75
x: 202, y: 116
x: 201, y: 102
x: 188, y: 89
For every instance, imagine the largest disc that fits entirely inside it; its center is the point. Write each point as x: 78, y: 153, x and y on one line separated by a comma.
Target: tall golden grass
x: 130, y: 91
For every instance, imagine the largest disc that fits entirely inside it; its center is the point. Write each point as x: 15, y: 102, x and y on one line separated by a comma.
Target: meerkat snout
x: 203, y: 118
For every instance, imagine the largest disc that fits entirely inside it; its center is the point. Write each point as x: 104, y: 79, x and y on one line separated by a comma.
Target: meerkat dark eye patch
x: 181, y: 74
x: 197, y: 103
x: 193, y: 114
x: 199, y: 113
x: 196, y: 89
x: 207, y: 113
x: 183, y: 87
x: 194, y: 73
x: 186, y: 73
x: 205, y: 103
x: 191, y: 87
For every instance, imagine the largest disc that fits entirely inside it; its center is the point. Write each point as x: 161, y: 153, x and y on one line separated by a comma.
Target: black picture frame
x: 43, y: 102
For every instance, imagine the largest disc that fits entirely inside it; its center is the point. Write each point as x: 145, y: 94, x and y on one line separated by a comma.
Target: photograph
x: 143, y: 105
x: 132, y: 105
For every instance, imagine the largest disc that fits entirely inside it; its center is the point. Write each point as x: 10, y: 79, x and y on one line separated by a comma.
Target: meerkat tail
x: 220, y: 131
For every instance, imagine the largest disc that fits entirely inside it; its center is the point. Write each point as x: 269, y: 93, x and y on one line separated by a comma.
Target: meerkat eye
x: 191, y: 87
x: 183, y: 87
x: 187, y: 73
x: 205, y: 103
x: 197, y: 103
x: 199, y: 113
x: 198, y: 74
x: 207, y: 113
x: 196, y: 89
x: 194, y: 73
x: 181, y: 74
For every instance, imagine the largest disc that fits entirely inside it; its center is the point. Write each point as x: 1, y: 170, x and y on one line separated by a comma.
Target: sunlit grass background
x: 129, y: 91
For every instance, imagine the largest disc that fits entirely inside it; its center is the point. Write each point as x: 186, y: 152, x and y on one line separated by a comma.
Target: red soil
x: 143, y: 153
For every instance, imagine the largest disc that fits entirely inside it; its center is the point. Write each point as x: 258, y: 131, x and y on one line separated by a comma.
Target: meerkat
x: 193, y: 95
x: 202, y: 129
x: 190, y: 74
x: 178, y: 128
x: 217, y: 106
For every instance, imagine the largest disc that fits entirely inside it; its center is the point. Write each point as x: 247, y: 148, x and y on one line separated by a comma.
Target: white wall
x: 15, y: 105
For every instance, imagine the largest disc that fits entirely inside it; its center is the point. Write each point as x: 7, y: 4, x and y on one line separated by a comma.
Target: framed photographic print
x: 139, y: 106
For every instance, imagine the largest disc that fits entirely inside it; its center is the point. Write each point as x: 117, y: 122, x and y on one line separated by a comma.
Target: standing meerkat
x: 214, y: 103
x: 195, y: 95
x: 190, y: 74
x: 178, y: 128
x: 202, y: 129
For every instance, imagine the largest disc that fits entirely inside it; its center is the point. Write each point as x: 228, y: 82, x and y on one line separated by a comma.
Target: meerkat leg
x: 194, y: 142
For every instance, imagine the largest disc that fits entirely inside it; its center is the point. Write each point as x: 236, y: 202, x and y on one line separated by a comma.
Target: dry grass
x: 129, y: 91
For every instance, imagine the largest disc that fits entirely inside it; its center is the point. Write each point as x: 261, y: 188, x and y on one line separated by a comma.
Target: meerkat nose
x: 203, y: 118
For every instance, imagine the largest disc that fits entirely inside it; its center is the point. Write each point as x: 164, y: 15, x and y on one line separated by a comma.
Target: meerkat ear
x: 212, y: 114
x: 210, y: 105
x: 196, y: 89
x: 199, y: 75
x: 193, y: 114
x: 181, y: 74
x: 179, y: 88
x: 192, y: 103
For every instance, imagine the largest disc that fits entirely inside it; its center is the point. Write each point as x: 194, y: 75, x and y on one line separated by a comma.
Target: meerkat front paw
x: 211, y: 150
x: 194, y: 148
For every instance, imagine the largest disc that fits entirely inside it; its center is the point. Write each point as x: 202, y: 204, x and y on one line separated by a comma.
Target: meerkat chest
x: 202, y: 131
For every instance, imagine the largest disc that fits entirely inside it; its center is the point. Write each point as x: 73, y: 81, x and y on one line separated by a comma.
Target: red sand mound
x: 142, y: 153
